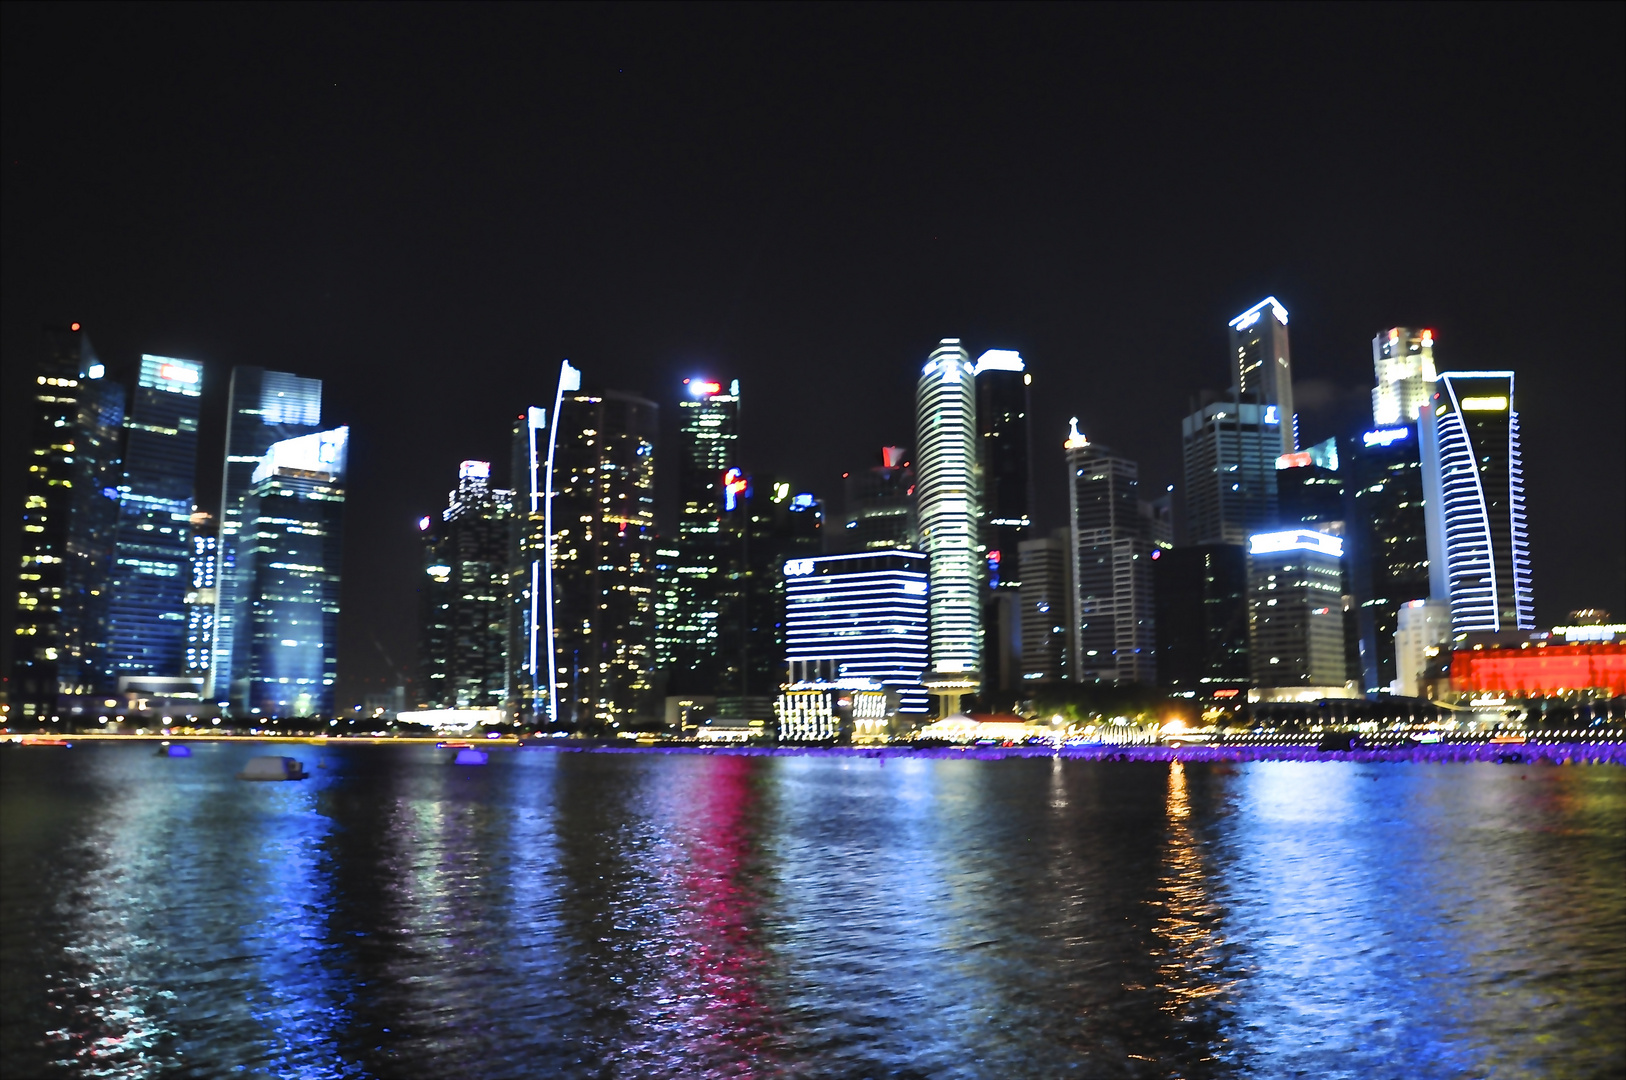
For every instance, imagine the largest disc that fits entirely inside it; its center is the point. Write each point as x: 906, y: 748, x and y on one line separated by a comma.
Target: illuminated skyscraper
x: 528, y: 636
x: 1403, y: 360
x: 262, y: 407
x: 70, y: 514
x: 1263, y: 366
x: 152, y: 558
x: 696, y: 578
x: 1113, y: 632
x: 1046, y: 596
x: 764, y: 525
x: 1007, y: 499
x: 601, y: 534
x: 1388, y: 556
x: 288, y: 553
x: 947, y: 495
x: 463, y: 645
x: 880, y: 506
x: 859, y: 616
x: 1006, y: 447
x: 708, y: 440
x: 1230, y: 450
x: 1310, y: 488
x: 1295, y: 609
x: 1473, y: 487
x: 1310, y: 494
x: 201, y: 597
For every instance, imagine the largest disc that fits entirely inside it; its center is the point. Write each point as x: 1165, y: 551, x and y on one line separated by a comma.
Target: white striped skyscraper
x: 946, y: 492
x: 1473, y: 502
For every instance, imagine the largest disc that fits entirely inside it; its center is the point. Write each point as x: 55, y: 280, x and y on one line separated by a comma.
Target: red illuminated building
x: 1541, y: 670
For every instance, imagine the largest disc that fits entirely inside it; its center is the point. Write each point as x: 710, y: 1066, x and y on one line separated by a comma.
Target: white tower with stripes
x: 947, y: 495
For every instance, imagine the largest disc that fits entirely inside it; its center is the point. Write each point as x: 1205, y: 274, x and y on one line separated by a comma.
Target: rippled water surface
x: 650, y: 915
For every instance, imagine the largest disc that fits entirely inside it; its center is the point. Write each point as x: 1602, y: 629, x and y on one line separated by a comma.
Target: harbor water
x: 543, y: 913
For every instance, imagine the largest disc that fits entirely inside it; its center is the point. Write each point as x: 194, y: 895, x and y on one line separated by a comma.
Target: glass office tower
x: 1201, y: 613
x: 1263, y: 366
x: 1295, y: 610
x: 1473, y: 498
x: 262, y: 407
x: 880, y: 506
x: 764, y: 524
x: 527, y: 699
x: 948, y: 501
x: 1046, y: 596
x: 463, y: 638
x: 69, y: 518
x: 1403, y: 361
x: 201, y: 597
x: 1113, y: 631
x: 708, y: 440
x: 601, y: 575
x: 152, y: 559
x: 1230, y: 451
x: 1388, y: 543
x: 288, y: 553
x: 695, y: 578
x: 1003, y: 385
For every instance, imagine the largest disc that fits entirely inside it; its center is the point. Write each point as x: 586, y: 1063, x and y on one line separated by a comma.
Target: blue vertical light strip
x: 569, y: 379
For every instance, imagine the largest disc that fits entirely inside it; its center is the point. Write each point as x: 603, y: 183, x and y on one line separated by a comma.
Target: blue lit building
x: 263, y: 407
x: 1473, y: 487
x: 152, y: 559
x: 860, y: 616
x: 200, y: 599
x: 288, y: 547
x: 1388, y: 543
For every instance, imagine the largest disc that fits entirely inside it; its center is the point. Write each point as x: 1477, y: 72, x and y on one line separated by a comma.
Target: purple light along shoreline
x: 1570, y: 753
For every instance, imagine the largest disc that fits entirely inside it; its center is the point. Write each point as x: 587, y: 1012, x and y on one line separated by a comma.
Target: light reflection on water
x: 654, y: 915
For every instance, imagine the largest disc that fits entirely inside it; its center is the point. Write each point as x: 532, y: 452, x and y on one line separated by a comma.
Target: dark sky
x: 428, y: 207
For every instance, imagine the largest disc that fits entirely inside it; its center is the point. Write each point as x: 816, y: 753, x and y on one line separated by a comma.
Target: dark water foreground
x: 651, y: 915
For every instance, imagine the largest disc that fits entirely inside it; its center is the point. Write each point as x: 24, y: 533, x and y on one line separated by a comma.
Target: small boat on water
x: 174, y: 750
x: 273, y: 768
x: 470, y: 756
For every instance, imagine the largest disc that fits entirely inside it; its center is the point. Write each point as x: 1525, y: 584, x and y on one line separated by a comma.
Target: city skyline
x: 1122, y: 331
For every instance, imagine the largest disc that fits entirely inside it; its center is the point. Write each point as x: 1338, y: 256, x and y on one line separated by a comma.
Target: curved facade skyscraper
x: 946, y: 491
x: 1473, y: 502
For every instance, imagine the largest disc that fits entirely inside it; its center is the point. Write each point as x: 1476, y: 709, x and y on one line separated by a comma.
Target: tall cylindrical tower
x: 946, y: 491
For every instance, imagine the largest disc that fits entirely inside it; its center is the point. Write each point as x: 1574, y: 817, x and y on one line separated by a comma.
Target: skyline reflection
x: 635, y: 915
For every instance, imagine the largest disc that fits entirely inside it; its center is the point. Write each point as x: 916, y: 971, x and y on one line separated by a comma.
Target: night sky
x: 428, y: 208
